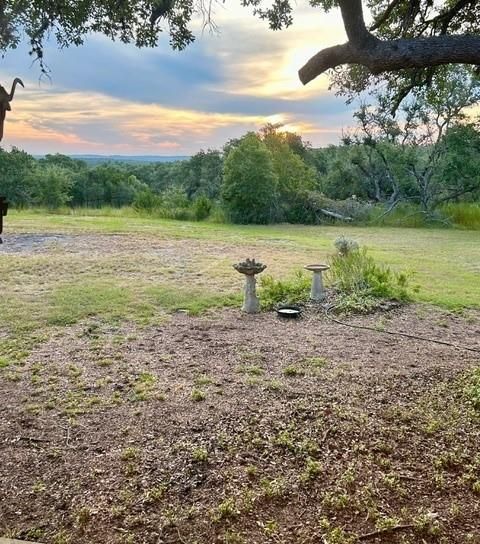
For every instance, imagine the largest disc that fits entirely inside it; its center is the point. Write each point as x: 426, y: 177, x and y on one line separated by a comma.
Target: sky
x: 111, y: 98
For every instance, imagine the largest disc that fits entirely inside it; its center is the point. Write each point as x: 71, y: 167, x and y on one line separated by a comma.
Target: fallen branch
x: 336, y: 215
x: 393, y: 529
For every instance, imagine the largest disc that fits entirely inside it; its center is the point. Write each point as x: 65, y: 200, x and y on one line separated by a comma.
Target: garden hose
x: 328, y: 308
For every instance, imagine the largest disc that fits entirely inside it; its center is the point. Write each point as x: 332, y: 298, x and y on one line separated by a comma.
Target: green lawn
x: 445, y: 262
x: 132, y: 269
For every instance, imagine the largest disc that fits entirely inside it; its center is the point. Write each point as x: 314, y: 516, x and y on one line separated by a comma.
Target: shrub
x: 357, y: 273
x: 146, y: 201
x: 202, y: 206
x: 345, y: 245
x: 290, y: 291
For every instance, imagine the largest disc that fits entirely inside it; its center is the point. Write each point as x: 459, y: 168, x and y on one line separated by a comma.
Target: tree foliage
x: 250, y: 183
x: 405, y: 44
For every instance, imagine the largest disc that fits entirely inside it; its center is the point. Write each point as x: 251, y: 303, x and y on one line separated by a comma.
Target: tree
x: 458, y: 172
x: 250, y: 184
x: 402, y: 156
x: 51, y: 185
x: 408, y: 39
x: 295, y: 177
x: 15, y: 168
x: 202, y: 174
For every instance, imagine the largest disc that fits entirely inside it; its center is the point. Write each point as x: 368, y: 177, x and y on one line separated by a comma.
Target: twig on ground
x: 393, y: 529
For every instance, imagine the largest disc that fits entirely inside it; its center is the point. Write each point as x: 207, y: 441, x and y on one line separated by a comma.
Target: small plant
x: 129, y: 454
x: 203, y: 380
x: 154, y: 494
x: 316, y: 362
x: 274, y: 489
x: 200, y: 454
x: 292, y: 291
x: 226, y: 509
x: 293, y: 370
x: 285, y: 440
x: 312, y: 470
x: 252, y: 370
x: 345, y: 245
x: 83, y: 517
x: 270, y: 527
x: 197, y: 395
x: 472, y: 390
x: 232, y: 537
x: 427, y: 524
x: 362, y: 283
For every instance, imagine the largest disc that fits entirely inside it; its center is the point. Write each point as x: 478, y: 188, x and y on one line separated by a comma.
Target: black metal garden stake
x: 3, y: 212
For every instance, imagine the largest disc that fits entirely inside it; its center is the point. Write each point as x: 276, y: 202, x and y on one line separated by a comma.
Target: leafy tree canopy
x: 401, y: 41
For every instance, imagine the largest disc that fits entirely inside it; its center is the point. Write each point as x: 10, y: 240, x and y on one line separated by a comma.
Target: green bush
x: 202, y: 206
x: 291, y: 291
x: 147, y: 201
x: 357, y: 273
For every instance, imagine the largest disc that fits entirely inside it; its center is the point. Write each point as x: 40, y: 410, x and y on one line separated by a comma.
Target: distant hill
x: 131, y: 159
x: 98, y: 159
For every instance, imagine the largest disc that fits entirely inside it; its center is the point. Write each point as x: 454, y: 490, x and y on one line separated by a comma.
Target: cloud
x: 107, y: 97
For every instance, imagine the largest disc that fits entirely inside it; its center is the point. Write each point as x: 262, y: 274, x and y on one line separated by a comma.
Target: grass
x: 152, y: 267
x: 445, y: 262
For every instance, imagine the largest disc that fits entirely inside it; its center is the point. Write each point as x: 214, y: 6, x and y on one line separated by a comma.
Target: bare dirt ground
x: 230, y: 428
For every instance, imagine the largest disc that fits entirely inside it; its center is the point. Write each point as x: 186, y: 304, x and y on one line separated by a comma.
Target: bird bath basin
x: 250, y: 268
x: 317, y: 292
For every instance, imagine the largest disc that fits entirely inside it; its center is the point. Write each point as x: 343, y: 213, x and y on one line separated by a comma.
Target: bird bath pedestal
x: 249, y: 268
x: 318, y: 290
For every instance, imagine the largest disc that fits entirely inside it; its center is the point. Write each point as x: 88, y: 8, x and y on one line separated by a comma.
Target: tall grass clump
x: 463, y: 214
x: 290, y: 291
x: 361, y: 283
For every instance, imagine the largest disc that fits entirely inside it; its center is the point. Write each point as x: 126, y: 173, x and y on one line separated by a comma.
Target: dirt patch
x: 233, y: 428
x: 34, y: 243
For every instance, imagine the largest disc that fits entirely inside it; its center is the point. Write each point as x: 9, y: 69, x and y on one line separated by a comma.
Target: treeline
x: 265, y: 177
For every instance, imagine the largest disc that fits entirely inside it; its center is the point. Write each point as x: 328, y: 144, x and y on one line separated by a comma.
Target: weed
x: 62, y: 537
x: 274, y: 385
x: 83, y: 517
x: 39, y: 487
x: 200, y: 454
x: 360, y: 281
x: 293, y: 370
x: 285, y: 439
x: 232, y: 537
x: 130, y: 454
x: 226, y: 509
x: 270, y: 527
x: 251, y: 370
x: 336, y: 500
x: 4, y: 362
x: 274, y: 489
x: 203, y: 380
x: 154, y: 494
x: 472, y: 389
x: 312, y: 470
x: 292, y: 291
x: 316, y: 362
x: 386, y: 522
x: 198, y: 395
x: 427, y: 524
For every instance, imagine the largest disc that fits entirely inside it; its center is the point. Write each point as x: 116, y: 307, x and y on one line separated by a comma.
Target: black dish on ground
x: 289, y: 311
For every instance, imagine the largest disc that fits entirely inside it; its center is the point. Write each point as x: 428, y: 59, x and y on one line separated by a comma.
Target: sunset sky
x: 109, y: 98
